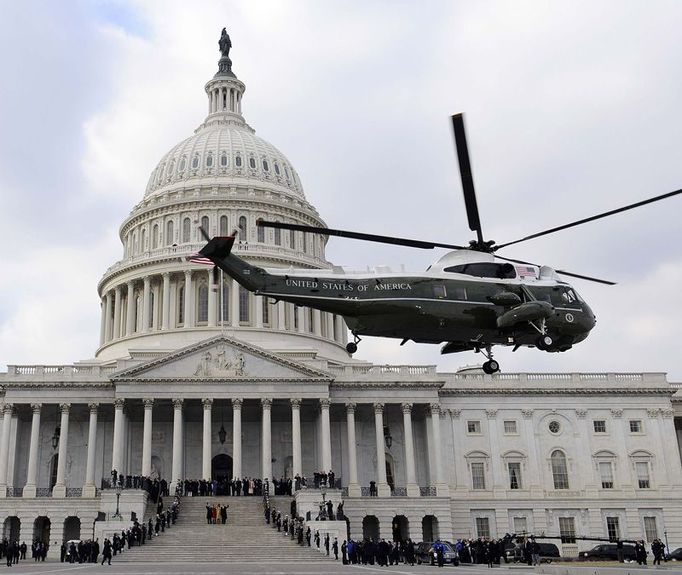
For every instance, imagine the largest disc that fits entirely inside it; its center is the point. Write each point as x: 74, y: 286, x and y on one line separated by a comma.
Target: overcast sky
x: 572, y: 108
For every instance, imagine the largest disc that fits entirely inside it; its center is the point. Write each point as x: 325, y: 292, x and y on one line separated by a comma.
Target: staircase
x: 245, y: 536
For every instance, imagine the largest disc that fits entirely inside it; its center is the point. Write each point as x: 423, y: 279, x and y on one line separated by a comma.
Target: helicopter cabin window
x: 439, y: 292
x: 484, y: 270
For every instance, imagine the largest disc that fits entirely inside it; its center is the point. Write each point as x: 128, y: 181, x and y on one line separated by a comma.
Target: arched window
x: 261, y: 232
x: 169, y: 232
x: 286, y: 172
x: 559, y: 470
x: 242, y: 228
x: 292, y: 239
x: 276, y: 168
x: 209, y: 161
x: 186, y: 230
x: 225, y: 302
x: 143, y: 240
x: 278, y: 237
x: 311, y: 320
x: 205, y: 224
x: 135, y: 245
x: 243, y: 305
x: 203, y: 303
x: 155, y: 236
x: 305, y: 243
x: 183, y: 164
x: 252, y: 163
x: 181, y: 305
x: 266, y: 311
x: 223, y: 225
x: 238, y: 161
x: 139, y: 314
x: 223, y: 160
x: 266, y: 167
x: 195, y: 162
x: 149, y: 320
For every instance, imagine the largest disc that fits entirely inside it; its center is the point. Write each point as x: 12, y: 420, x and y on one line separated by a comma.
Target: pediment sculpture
x: 218, y: 364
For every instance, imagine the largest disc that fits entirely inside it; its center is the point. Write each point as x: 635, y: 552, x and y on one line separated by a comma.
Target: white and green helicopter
x: 470, y: 299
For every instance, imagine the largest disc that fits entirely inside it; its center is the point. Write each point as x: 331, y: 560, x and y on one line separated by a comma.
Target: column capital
x: 434, y: 409
x: 119, y: 403
x: 295, y: 403
x: 148, y: 402
x: 146, y: 280
x: 237, y: 402
x: 325, y: 402
x: 207, y: 402
x: 188, y: 273
x: 64, y: 407
x: 378, y: 407
x: 527, y: 413
x: 652, y: 413
x: 36, y: 407
x: 165, y: 275
x: 177, y: 402
x: 667, y: 413
x: 455, y: 413
x: 350, y: 407
x: 406, y: 407
x: 94, y: 407
x: 266, y: 402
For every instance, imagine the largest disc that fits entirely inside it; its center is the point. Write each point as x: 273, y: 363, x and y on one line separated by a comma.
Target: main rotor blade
x: 582, y: 277
x: 591, y: 219
x: 360, y: 236
x: 467, y: 178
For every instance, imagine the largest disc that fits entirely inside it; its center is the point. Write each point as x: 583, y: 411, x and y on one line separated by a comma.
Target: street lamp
x: 118, y: 498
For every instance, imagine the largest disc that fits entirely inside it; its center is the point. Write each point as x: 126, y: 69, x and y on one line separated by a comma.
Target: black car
x: 675, y: 555
x: 425, y: 553
x: 608, y: 551
x: 548, y: 552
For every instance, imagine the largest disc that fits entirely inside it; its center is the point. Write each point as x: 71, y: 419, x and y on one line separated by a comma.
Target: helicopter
x: 470, y: 299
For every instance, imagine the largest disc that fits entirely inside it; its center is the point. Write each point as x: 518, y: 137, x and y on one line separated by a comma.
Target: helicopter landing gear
x: 490, y: 366
x: 544, y: 342
x: 352, y: 346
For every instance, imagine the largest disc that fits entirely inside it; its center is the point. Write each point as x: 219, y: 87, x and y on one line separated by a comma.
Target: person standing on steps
x: 326, y: 543
x: 317, y: 539
x: 209, y: 513
x: 106, y: 552
x: 335, y: 549
x: 307, y: 535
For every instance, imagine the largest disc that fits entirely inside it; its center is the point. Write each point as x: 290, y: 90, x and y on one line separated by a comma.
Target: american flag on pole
x: 197, y: 258
x: 525, y: 271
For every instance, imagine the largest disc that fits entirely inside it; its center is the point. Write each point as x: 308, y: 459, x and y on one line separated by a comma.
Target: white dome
x: 224, y: 147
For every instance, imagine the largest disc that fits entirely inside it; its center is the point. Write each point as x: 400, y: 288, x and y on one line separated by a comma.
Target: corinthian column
x: 266, y: 466
x: 412, y: 487
x: 165, y: 315
x: 353, y: 485
x: 441, y: 486
x: 130, y: 309
x: 4, y: 448
x: 59, y: 489
x: 31, y: 474
x: 146, y: 303
x: 296, y: 436
x: 326, y: 436
x: 117, y: 444
x: 237, y: 437
x: 147, y: 437
x: 177, y: 444
x: 206, y: 451
x: 89, y: 489
x: 383, y: 489
x: 117, y: 312
x: 189, y: 300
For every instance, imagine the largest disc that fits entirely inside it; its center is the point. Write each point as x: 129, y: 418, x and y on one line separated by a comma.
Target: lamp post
x: 665, y: 534
x: 118, y: 498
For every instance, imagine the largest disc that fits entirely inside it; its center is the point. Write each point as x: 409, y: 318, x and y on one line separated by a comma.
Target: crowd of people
x: 216, y: 514
x: 12, y: 551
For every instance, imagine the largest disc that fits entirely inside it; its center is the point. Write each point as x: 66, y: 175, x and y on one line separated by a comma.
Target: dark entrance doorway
x: 221, y: 471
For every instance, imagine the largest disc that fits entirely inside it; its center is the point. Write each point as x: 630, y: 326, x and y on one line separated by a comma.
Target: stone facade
x: 453, y: 454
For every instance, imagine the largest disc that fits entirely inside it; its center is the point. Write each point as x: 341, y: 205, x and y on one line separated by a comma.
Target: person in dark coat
x: 106, y: 552
x: 335, y: 549
x: 326, y: 543
x: 344, y: 551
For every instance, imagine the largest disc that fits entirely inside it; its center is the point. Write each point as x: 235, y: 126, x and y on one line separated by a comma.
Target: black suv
x: 607, y: 551
x: 548, y: 552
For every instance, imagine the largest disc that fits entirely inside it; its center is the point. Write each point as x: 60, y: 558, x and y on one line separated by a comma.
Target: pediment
x: 220, y: 358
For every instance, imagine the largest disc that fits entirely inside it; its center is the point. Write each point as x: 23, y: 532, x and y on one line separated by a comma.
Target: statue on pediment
x: 220, y: 365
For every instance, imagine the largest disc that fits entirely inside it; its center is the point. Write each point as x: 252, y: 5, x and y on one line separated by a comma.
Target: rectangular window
x: 243, y: 305
x: 520, y: 525
x: 510, y: 427
x: 635, y: 426
x: 266, y: 311
x: 650, y: 529
x: 642, y: 468
x: 514, y: 475
x: 439, y: 292
x: 612, y: 528
x: 606, y: 474
x: 473, y: 427
x: 458, y: 293
x: 599, y: 426
x: 567, y: 529
x: 477, y: 476
x: 482, y: 527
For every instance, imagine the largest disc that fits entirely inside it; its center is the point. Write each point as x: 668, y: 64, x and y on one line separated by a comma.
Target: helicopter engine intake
x: 529, y: 311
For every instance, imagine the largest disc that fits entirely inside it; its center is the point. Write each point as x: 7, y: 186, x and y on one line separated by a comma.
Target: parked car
x: 548, y: 552
x: 675, y: 555
x: 607, y: 551
x: 425, y: 553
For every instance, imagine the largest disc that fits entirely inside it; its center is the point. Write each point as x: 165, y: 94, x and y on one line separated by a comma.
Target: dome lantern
x: 224, y: 90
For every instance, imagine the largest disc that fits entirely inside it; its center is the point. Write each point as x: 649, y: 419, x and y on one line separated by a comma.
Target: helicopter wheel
x: 544, y: 342
x: 491, y: 366
x: 351, y: 347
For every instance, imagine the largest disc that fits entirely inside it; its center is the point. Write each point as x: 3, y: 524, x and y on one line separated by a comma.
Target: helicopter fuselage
x: 434, y: 306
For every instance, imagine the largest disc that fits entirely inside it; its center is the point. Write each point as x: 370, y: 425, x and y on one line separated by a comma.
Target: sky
x: 572, y: 108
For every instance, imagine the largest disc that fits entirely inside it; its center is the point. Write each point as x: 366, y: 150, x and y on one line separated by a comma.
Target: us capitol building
x: 192, y: 380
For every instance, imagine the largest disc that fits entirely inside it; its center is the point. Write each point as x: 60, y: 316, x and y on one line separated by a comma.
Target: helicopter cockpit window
x: 484, y: 270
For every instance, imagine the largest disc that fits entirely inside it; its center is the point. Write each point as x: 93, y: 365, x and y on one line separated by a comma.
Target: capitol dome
x: 223, y: 178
